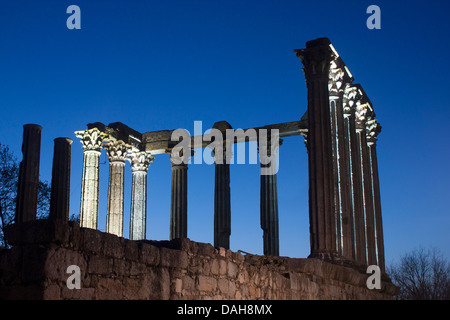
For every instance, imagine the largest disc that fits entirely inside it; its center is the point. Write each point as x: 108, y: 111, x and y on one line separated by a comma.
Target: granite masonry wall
x: 35, y: 267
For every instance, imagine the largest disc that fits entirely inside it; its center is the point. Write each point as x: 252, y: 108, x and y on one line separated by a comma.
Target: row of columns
x: 344, y: 196
x: 28, y: 181
x: 93, y: 140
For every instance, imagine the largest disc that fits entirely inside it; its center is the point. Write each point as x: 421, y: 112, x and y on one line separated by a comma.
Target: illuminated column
x: 140, y: 161
x: 178, y: 203
x: 222, y: 202
x: 342, y: 190
x: 116, y: 153
x: 361, y: 113
x: 28, y: 185
x: 269, y: 199
x: 60, y: 194
x: 373, y: 129
x: 316, y: 64
x: 92, y: 145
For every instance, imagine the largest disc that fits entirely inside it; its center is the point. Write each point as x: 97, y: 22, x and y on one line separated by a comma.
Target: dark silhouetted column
x: 28, y: 186
x: 60, y: 194
x: 316, y: 61
x: 373, y: 129
x: 222, y: 202
x: 178, y: 203
x: 269, y: 199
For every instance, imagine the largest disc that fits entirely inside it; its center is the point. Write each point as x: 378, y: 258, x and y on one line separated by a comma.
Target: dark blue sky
x: 157, y: 65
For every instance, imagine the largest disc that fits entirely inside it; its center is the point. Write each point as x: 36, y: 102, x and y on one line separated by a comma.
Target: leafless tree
x: 422, y: 275
x: 9, y: 172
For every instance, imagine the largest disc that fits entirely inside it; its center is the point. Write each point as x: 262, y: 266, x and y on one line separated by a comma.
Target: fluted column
x: 342, y: 190
x: 60, y: 192
x: 366, y: 183
x: 28, y: 186
x: 91, y: 140
x: 222, y: 202
x: 178, y: 203
x: 269, y: 199
x: 316, y: 61
x: 140, y: 161
x: 373, y: 129
x: 116, y: 154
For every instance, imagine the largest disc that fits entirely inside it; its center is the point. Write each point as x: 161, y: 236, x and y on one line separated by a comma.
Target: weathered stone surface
x: 116, y: 268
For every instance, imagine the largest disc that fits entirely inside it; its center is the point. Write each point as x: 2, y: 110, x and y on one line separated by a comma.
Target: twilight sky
x: 161, y: 65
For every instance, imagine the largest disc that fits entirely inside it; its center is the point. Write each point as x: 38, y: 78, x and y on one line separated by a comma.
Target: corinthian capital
x: 316, y: 58
x: 117, y: 150
x: 335, y: 78
x: 361, y: 115
x: 350, y: 94
x: 373, y: 128
x: 91, y: 139
x: 140, y: 160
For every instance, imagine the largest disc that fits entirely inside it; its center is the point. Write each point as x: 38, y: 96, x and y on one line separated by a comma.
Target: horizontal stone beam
x: 159, y: 141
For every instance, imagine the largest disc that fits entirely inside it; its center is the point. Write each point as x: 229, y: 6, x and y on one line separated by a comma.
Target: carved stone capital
x: 222, y: 155
x: 349, y: 99
x: 335, y: 79
x: 178, y: 156
x: 361, y: 111
x: 140, y: 160
x: 117, y: 150
x: 316, y: 58
x: 373, y: 128
x: 91, y: 139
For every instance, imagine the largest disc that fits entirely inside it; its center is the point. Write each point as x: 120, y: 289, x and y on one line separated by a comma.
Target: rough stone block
x: 131, y: 250
x: 207, y: 283
x: 112, y: 246
x: 173, y: 258
x: 149, y: 254
x: 100, y: 265
x: 91, y: 240
x: 232, y: 269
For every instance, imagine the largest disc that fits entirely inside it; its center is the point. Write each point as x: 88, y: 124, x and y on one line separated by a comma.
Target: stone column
x: 117, y: 151
x: 351, y: 162
x: 316, y: 64
x: 140, y: 161
x: 91, y: 140
x: 178, y: 203
x: 28, y: 185
x: 269, y: 199
x: 373, y: 129
x: 222, y: 202
x: 366, y: 183
x: 60, y: 194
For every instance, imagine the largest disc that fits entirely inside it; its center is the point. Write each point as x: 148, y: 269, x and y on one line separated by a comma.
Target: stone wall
x: 116, y: 268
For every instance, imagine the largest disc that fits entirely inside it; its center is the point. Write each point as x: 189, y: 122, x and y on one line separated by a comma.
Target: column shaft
x: 91, y: 140
x: 138, y: 206
x: 28, y: 185
x: 321, y: 179
x: 379, y: 242
x: 60, y: 192
x: 114, y: 222
x: 178, y: 206
x: 222, y: 206
x: 269, y: 214
x: 90, y: 189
